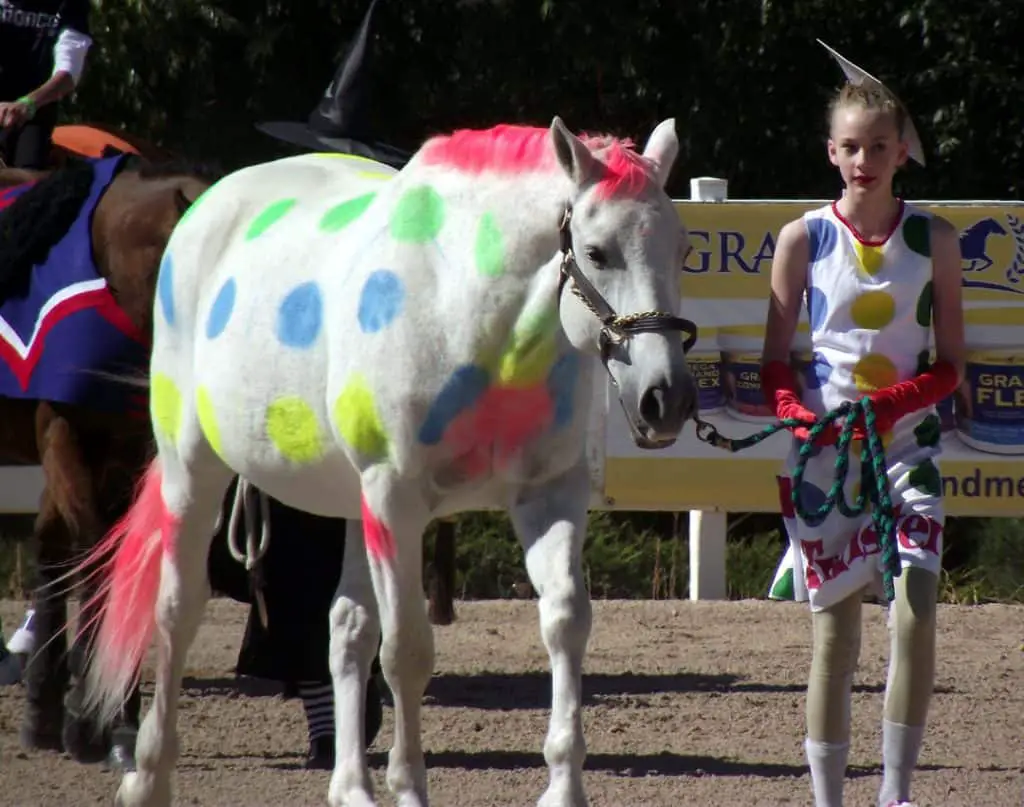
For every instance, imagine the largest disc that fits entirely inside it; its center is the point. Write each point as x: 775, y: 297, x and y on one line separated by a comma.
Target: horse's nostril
x: 652, y: 405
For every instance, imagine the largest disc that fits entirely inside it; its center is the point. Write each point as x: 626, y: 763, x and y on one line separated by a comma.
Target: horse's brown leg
x: 46, y: 672
x: 117, y: 470
x: 68, y: 512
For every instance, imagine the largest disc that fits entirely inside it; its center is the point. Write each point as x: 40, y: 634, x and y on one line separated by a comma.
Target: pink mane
x: 510, y: 149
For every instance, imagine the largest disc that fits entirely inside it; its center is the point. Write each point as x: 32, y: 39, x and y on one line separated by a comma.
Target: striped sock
x: 318, y: 701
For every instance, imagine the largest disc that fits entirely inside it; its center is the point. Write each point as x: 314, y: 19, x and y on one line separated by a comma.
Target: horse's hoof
x: 83, y: 741
x: 563, y: 797
x: 138, y: 790
x: 11, y: 666
x: 37, y: 737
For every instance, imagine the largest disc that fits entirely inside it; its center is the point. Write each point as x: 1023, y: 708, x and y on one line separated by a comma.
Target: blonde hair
x: 869, y: 95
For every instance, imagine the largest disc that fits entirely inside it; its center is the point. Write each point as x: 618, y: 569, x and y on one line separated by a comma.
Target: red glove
x: 926, y: 389
x: 778, y: 383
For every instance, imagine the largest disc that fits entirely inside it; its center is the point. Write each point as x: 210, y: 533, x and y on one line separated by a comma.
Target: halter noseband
x: 615, y: 329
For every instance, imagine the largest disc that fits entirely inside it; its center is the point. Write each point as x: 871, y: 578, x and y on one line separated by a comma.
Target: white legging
x: 836, y: 648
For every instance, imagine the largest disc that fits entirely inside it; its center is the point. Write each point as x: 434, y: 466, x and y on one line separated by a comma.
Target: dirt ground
x: 686, y: 704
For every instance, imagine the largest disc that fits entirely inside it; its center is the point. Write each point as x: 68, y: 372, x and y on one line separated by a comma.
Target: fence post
x: 708, y: 528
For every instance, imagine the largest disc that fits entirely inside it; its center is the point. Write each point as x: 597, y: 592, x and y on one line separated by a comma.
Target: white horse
x: 392, y: 349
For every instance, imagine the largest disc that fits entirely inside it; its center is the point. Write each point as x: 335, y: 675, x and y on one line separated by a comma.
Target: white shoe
x: 23, y: 642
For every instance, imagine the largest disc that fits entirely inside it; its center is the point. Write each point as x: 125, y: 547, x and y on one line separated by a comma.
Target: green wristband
x: 30, y: 104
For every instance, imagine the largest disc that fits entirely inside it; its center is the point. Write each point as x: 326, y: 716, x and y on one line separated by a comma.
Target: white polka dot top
x: 869, y: 305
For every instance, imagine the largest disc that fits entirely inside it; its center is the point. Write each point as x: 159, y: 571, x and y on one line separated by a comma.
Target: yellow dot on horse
x: 530, y: 352
x: 166, y: 405
x: 873, y: 310
x: 874, y: 372
x: 293, y: 429
x: 358, y: 421
x: 208, y: 419
x: 870, y: 258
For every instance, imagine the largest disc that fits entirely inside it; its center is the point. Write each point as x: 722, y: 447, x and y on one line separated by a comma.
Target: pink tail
x: 127, y: 561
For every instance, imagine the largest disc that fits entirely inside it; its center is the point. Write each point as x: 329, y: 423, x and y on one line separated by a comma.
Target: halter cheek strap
x: 615, y: 329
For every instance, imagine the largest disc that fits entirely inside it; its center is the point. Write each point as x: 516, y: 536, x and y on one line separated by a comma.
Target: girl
x: 878, y: 275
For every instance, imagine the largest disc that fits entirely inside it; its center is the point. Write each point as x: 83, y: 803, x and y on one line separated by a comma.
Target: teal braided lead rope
x: 874, y: 489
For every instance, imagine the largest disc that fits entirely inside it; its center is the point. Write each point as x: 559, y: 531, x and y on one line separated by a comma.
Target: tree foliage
x: 746, y: 82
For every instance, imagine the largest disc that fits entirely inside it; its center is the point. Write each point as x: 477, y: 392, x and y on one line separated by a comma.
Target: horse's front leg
x: 550, y: 521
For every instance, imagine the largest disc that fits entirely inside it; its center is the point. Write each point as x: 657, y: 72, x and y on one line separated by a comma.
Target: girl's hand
x: 14, y: 114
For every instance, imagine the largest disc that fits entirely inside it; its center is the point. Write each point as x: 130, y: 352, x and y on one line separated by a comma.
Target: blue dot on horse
x: 300, y: 316
x: 165, y: 288
x: 381, y: 300
x: 817, y: 307
x: 562, y: 387
x: 823, y: 238
x: 220, y: 311
x: 460, y: 392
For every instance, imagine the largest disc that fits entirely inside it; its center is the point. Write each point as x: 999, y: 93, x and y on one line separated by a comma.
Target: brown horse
x: 90, y: 455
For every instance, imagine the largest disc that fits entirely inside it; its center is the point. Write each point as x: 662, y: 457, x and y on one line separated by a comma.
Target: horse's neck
x: 516, y: 219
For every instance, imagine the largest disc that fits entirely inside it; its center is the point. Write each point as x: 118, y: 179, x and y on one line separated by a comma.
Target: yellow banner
x: 733, y: 244
x: 725, y: 287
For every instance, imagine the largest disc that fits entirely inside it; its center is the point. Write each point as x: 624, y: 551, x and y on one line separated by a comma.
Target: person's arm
x: 69, y: 52
x: 788, y: 280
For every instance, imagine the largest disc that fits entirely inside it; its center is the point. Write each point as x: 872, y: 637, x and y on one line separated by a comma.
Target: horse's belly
x: 331, y: 488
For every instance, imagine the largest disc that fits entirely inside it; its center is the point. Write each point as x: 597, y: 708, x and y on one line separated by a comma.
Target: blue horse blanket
x: 60, y: 336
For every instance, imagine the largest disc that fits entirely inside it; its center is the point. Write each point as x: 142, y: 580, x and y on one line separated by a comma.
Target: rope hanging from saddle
x: 874, y: 483
x: 253, y: 553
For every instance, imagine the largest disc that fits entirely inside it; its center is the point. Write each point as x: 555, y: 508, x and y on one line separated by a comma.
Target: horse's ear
x: 574, y: 157
x: 662, y: 148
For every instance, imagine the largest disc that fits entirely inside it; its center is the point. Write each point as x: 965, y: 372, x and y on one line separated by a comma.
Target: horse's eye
x: 596, y: 256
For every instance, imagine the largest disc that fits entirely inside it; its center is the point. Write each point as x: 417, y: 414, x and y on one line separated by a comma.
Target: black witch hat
x: 340, y: 122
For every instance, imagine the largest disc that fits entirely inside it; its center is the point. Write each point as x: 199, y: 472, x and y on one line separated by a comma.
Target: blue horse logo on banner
x: 975, y: 250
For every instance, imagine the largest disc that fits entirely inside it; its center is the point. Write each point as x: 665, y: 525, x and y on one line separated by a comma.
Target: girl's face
x: 866, y: 148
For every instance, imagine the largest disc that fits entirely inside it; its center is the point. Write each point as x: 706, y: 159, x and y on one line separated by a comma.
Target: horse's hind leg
x: 550, y: 521
x: 84, y: 739
x: 193, y: 501
x: 394, y: 519
x: 70, y: 516
x: 355, y: 632
x: 46, y: 673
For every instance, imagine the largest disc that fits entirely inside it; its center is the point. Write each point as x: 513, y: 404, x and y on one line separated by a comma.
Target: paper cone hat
x: 340, y: 122
x: 857, y: 75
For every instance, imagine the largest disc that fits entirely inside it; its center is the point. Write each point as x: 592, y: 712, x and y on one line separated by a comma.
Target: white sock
x: 828, y: 769
x: 900, y: 748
